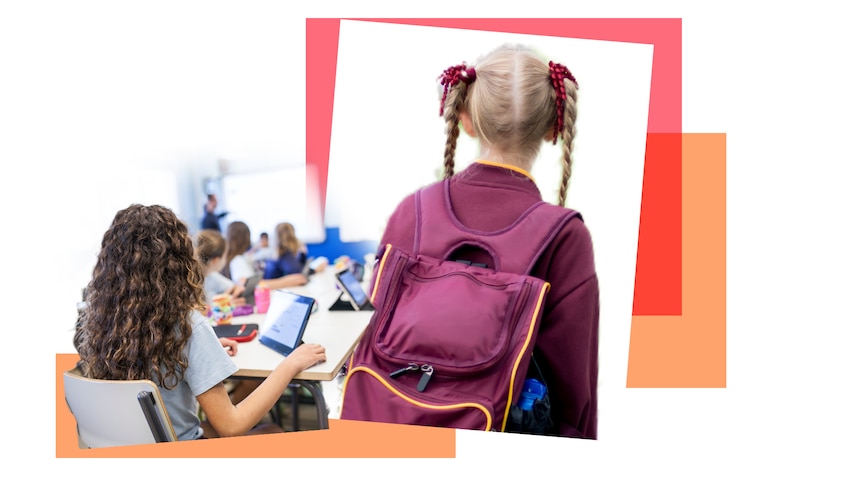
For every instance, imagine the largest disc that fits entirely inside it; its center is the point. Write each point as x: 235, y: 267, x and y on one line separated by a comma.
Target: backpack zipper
x: 427, y: 371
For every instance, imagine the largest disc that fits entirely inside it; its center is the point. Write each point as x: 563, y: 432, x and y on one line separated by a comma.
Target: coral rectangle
x: 659, y: 263
x: 690, y: 350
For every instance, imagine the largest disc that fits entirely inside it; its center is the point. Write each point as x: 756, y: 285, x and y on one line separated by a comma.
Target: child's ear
x: 467, y: 123
x: 549, y: 136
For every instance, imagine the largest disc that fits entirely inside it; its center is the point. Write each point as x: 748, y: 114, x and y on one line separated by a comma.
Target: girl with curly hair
x: 143, y: 320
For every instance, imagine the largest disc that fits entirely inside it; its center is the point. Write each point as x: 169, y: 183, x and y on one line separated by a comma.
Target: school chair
x: 116, y: 413
x: 305, y: 394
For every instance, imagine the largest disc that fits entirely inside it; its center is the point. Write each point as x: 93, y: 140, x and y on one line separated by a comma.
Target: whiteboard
x: 266, y: 198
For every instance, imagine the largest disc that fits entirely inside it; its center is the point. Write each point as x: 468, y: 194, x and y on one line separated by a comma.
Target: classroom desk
x: 337, y: 331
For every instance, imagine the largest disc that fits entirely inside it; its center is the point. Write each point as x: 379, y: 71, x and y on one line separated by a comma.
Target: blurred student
x: 291, y: 257
x: 211, y: 219
x: 143, y: 320
x: 210, y: 247
x: 262, y: 252
x: 239, y: 267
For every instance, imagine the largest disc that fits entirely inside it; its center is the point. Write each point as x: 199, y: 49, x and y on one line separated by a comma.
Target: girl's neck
x: 501, y: 158
x: 513, y: 168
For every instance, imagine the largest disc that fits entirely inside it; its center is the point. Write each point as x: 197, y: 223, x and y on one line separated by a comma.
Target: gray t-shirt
x: 214, y: 284
x: 209, y: 365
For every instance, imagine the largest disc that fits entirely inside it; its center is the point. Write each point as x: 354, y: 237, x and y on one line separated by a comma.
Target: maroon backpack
x: 450, y: 342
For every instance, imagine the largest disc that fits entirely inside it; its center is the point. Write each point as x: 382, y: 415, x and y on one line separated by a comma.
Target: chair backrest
x: 117, y: 413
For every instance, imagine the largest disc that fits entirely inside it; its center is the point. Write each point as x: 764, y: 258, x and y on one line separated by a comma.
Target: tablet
x: 285, y: 321
x: 353, y: 289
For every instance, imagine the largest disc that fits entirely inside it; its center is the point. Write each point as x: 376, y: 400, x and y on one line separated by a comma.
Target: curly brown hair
x: 145, y: 284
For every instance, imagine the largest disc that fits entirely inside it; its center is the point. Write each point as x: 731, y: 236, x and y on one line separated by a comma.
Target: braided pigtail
x: 451, y: 105
x: 566, y: 103
x: 570, y: 115
x: 454, y: 106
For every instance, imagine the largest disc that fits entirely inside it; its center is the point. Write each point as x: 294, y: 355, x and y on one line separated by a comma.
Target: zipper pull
x: 426, y: 377
x: 410, y: 368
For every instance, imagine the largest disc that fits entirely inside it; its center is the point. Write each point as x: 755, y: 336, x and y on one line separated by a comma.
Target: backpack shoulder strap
x: 515, y: 248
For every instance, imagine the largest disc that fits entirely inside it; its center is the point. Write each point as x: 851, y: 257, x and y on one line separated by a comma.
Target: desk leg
x: 322, y: 415
x: 294, y: 404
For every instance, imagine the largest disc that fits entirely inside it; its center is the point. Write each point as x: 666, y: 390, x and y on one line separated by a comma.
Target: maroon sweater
x: 487, y: 198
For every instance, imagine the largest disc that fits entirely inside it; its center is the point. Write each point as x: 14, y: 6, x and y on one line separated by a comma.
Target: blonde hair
x: 512, y: 106
x: 287, y: 240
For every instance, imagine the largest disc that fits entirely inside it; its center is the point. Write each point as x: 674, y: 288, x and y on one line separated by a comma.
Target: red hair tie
x: 452, y: 76
x: 558, y: 73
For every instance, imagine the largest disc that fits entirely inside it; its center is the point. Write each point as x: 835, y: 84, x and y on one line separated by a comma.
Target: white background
x: 783, y: 85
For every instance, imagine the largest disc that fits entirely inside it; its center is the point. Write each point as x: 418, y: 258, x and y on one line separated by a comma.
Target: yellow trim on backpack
x: 344, y: 384
x: 379, y: 271
x: 413, y: 401
x: 545, y: 288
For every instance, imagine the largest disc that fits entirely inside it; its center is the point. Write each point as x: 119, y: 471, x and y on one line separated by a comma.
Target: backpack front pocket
x: 459, y: 320
x: 389, y: 401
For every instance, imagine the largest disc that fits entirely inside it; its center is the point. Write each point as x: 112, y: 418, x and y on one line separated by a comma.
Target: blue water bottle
x: 532, y: 390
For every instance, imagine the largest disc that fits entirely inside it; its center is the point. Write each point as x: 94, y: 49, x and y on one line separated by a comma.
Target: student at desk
x: 143, y: 320
x: 210, y: 249
x: 262, y: 252
x: 287, y: 269
x: 239, y: 267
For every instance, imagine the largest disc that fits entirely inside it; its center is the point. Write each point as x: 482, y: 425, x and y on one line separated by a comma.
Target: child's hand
x: 306, y: 355
x: 230, y: 345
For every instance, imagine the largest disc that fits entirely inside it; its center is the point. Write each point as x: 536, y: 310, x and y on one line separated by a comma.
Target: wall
x: 333, y: 247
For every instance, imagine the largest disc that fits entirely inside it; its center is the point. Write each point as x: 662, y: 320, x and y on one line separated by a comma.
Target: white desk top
x: 337, y: 331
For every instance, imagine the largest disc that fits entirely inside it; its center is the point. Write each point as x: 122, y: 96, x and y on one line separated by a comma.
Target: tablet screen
x: 285, y: 321
x: 353, y: 287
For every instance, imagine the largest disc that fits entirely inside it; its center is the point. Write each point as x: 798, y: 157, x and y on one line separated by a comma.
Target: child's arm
x: 294, y: 279
x: 234, y: 420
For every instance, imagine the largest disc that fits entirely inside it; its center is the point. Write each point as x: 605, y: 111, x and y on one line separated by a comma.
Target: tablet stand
x: 344, y: 305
